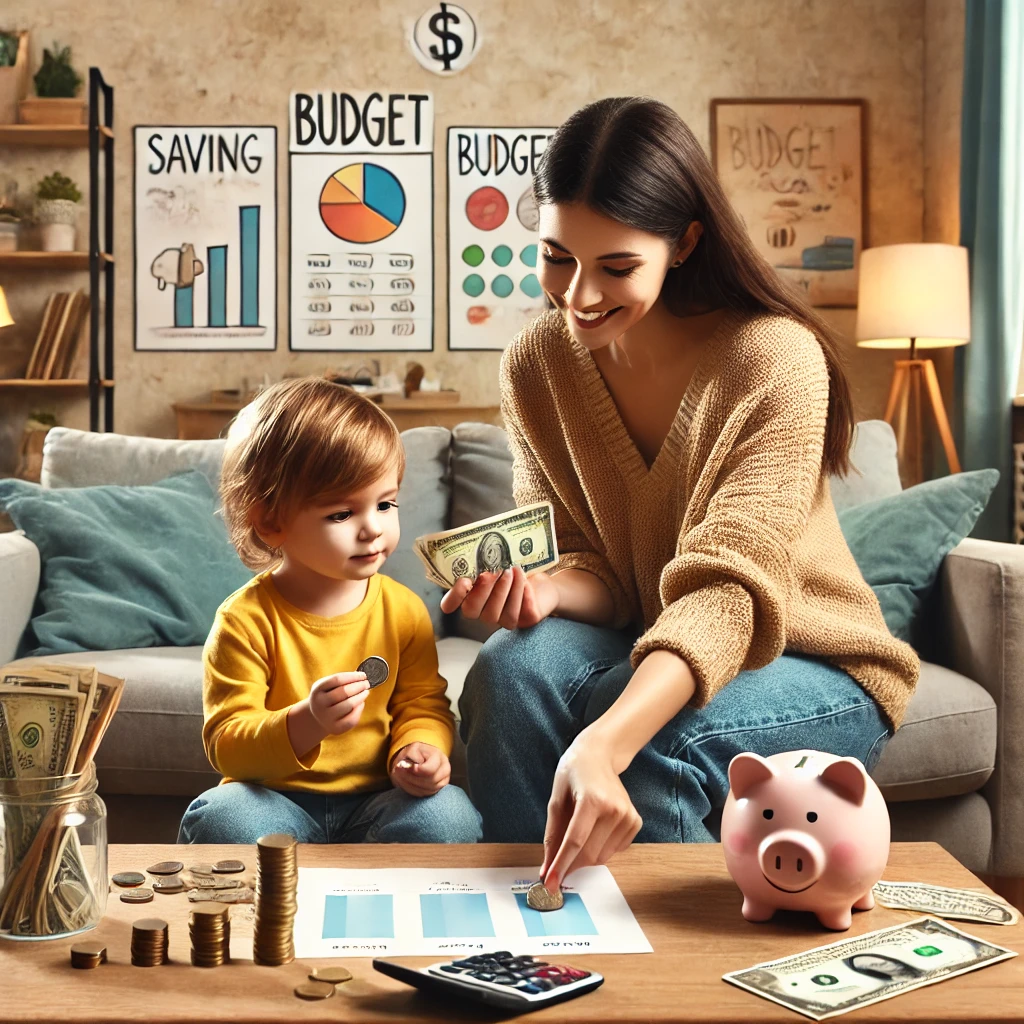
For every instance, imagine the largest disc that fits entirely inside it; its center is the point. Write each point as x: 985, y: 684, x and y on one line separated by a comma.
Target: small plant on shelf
x: 56, y: 78
x: 56, y: 211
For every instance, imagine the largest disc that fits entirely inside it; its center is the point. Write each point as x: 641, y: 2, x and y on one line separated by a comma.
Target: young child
x: 306, y: 746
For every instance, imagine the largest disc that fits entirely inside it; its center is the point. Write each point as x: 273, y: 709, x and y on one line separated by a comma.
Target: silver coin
x: 376, y: 669
x: 137, y: 896
x: 539, y: 898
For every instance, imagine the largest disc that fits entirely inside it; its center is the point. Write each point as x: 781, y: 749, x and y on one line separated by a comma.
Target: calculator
x: 516, y: 983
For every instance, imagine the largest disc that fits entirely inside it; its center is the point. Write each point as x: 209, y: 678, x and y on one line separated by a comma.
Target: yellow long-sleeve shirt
x: 264, y: 654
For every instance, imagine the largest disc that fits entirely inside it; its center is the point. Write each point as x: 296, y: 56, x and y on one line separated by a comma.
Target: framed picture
x: 795, y: 171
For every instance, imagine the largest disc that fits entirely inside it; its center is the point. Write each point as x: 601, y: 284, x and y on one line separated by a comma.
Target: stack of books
x: 53, y: 357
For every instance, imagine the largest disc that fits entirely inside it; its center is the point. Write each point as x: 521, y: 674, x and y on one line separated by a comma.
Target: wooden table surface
x: 681, y: 895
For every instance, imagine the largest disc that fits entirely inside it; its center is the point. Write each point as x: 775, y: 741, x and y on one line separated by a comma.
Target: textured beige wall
x: 203, y: 62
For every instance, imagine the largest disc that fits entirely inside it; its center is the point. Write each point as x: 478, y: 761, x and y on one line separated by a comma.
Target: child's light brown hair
x: 299, y: 442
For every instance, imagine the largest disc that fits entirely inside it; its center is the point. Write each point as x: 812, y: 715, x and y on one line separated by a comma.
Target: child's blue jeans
x: 241, y: 812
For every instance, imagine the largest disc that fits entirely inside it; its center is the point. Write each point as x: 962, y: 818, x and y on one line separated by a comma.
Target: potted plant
x: 9, y: 221
x: 57, y: 84
x: 13, y: 73
x: 56, y: 212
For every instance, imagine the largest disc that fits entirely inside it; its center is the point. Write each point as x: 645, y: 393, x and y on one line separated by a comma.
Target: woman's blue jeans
x: 531, y: 691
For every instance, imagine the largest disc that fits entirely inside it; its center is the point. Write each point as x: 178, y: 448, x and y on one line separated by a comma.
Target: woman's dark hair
x: 634, y: 160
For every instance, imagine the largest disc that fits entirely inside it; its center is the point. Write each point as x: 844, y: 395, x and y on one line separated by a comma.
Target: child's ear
x: 266, y: 526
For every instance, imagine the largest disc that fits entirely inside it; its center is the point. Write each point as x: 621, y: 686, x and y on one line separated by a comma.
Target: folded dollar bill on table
x: 942, y: 901
x: 52, y: 719
x: 524, y: 537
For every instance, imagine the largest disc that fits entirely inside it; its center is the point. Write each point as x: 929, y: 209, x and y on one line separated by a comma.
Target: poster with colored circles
x: 362, y: 217
x: 493, y: 290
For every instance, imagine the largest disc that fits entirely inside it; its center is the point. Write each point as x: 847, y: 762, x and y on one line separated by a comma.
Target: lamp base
x: 915, y: 375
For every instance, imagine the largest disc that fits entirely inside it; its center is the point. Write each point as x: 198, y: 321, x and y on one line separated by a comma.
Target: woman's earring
x: 678, y: 263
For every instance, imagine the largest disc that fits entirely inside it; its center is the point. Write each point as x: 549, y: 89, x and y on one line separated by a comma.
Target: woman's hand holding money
x: 510, y: 598
x: 420, y: 769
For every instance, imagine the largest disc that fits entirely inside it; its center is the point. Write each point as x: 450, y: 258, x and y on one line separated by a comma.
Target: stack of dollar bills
x: 524, y: 537
x: 52, y: 719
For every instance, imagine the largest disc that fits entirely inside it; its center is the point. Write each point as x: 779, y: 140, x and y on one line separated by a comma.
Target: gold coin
x: 137, y: 896
x: 314, y: 990
x: 150, y: 925
x: 538, y: 897
x: 332, y: 975
x: 228, y: 867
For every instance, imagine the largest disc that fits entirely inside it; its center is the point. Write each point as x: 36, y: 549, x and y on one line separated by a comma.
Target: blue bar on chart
x: 249, y: 234
x: 183, y: 307
x: 217, y: 304
x: 359, y: 917
x: 456, y: 915
x: 572, y: 919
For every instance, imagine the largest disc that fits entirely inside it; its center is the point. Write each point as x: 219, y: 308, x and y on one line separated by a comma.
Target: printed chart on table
x: 437, y: 912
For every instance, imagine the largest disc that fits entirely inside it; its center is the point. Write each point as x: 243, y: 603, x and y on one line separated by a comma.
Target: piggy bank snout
x: 791, y: 860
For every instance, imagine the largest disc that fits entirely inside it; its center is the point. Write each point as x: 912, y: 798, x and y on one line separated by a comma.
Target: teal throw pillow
x: 124, y: 567
x: 899, y: 542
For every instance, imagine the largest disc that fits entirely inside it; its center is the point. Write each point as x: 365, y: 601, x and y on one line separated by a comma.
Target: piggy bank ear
x: 746, y: 770
x: 847, y: 778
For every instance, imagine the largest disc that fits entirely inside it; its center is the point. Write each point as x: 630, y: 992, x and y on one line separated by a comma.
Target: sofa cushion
x: 947, y: 742
x: 124, y: 566
x: 875, y: 471
x: 154, y: 745
x: 19, y: 581
x: 422, y: 508
x: 899, y: 542
x: 80, y: 458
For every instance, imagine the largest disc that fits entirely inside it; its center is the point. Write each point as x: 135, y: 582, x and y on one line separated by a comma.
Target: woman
x: 682, y: 412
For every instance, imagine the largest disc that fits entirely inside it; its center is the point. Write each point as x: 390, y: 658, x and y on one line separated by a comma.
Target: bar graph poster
x: 362, y: 222
x: 205, y: 238
x: 492, y: 234
x: 457, y: 911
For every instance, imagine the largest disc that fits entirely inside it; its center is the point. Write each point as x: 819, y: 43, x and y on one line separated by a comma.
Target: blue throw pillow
x: 124, y: 567
x: 899, y: 542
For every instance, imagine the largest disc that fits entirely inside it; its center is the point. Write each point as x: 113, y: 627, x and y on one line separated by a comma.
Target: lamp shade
x: 5, y: 314
x: 917, y: 290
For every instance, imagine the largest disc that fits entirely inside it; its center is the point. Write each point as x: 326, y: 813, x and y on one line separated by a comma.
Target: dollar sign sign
x: 439, y: 26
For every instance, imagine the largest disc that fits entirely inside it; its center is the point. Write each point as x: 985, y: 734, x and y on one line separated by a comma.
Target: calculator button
x: 503, y: 955
x: 544, y: 984
x: 452, y: 969
x: 482, y: 975
x: 531, y: 989
x: 505, y: 979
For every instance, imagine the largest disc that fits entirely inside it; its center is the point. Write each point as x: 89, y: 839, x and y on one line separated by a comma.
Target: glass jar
x: 53, y: 856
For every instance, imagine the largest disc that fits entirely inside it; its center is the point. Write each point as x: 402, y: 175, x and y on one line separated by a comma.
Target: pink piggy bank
x: 804, y: 830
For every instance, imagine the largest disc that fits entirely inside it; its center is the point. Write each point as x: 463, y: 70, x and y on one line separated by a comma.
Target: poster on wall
x: 795, y: 172
x: 205, y: 225
x: 493, y: 288
x: 362, y: 222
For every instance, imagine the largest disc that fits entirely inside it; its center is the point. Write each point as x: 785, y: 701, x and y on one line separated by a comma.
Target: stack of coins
x: 277, y: 879
x: 149, y: 942
x: 210, y: 931
x: 87, y: 955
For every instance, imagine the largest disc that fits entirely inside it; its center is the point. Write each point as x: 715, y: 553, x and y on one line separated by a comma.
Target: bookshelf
x: 98, y: 137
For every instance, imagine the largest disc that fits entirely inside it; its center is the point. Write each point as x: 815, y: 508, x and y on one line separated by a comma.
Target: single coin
x: 169, y: 886
x: 90, y: 949
x: 314, y: 990
x: 539, y: 898
x: 376, y: 669
x: 228, y: 867
x: 332, y: 975
x: 137, y: 896
x: 129, y: 879
x: 166, y: 867
x: 276, y: 841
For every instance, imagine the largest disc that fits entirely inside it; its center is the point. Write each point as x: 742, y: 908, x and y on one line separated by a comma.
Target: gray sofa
x: 954, y: 773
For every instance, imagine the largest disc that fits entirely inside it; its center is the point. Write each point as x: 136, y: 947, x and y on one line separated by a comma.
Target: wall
x: 204, y: 62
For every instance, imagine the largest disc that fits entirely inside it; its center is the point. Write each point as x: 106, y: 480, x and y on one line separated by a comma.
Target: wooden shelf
x: 67, y: 382
x: 64, y: 136
x: 23, y: 260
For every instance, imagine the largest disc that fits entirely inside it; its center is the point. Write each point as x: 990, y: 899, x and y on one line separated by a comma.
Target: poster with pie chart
x: 493, y: 289
x: 362, y: 274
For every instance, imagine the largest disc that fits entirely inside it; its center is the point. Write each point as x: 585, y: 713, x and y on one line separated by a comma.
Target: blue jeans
x: 241, y: 812
x: 531, y: 691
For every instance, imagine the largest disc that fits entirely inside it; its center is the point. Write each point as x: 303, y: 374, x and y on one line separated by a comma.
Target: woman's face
x: 602, y: 274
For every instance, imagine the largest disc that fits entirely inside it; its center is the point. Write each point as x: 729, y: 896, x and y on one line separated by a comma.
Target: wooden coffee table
x: 681, y: 895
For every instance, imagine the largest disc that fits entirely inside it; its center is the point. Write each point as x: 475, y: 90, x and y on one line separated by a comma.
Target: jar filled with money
x: 53, y: 837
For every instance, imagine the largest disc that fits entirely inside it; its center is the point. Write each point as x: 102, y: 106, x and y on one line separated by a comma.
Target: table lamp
x: 915, y: 296
x: 5, y: 314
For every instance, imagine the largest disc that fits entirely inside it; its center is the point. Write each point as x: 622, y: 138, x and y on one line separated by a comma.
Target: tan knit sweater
x: 727, y: 550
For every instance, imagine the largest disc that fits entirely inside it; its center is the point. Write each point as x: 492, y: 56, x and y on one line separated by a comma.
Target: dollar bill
x: 846, y: 975
x: 40, y: 730
x: 524, y: 537
x: 956, y: 904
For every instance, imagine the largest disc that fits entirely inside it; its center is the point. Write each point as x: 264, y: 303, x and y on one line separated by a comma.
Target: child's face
x: 348, y: 538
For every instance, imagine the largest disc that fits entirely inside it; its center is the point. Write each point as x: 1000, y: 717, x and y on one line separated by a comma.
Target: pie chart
x: 362, y: 203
